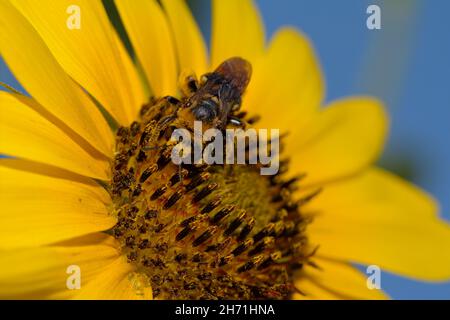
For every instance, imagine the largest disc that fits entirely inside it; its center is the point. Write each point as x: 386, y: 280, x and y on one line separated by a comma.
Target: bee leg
x: 149, y: 148
x: 172, y: 100
x: 160, y: 127
x: 180, y: 174
x: 188, y: 83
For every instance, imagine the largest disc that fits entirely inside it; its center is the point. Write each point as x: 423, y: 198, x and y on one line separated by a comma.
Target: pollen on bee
x: 201, y: 230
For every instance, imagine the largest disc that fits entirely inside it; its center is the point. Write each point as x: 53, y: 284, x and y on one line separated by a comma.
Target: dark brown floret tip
x: 204, y: 232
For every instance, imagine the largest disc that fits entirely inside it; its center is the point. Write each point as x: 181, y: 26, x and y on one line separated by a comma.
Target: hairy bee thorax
x: 199, y: 231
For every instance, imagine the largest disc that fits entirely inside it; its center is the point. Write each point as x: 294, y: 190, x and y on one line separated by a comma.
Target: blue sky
x: 407, y: 64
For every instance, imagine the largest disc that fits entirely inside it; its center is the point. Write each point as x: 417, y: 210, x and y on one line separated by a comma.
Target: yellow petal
x: 39, y: 273
x: 374, y: 218
x: 341, y: 140
x: 237, y: 30
x: 24, y: 133
x: 149, y: 31
x: 39, y: 73
x: 90, y: 55
x: 311, y: 291
x: 116, y: 282
x: 190, y: 46
x: 39, y: 209
x: 338, y: 278
x: 287, y: 82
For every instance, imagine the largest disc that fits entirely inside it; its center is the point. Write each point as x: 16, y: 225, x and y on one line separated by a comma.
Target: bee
x: 218, y: 95
x: 213, y: 101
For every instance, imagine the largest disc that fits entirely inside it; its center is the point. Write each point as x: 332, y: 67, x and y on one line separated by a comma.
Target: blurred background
x: 406, y: 64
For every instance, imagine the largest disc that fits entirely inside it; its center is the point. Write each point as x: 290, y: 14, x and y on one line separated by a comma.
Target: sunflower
x: 89, y: 183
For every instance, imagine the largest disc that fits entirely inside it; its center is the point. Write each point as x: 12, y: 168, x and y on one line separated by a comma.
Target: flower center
x: 203, y: 231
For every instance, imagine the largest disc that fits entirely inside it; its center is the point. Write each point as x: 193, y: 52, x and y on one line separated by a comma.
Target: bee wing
x: 236, y: 70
